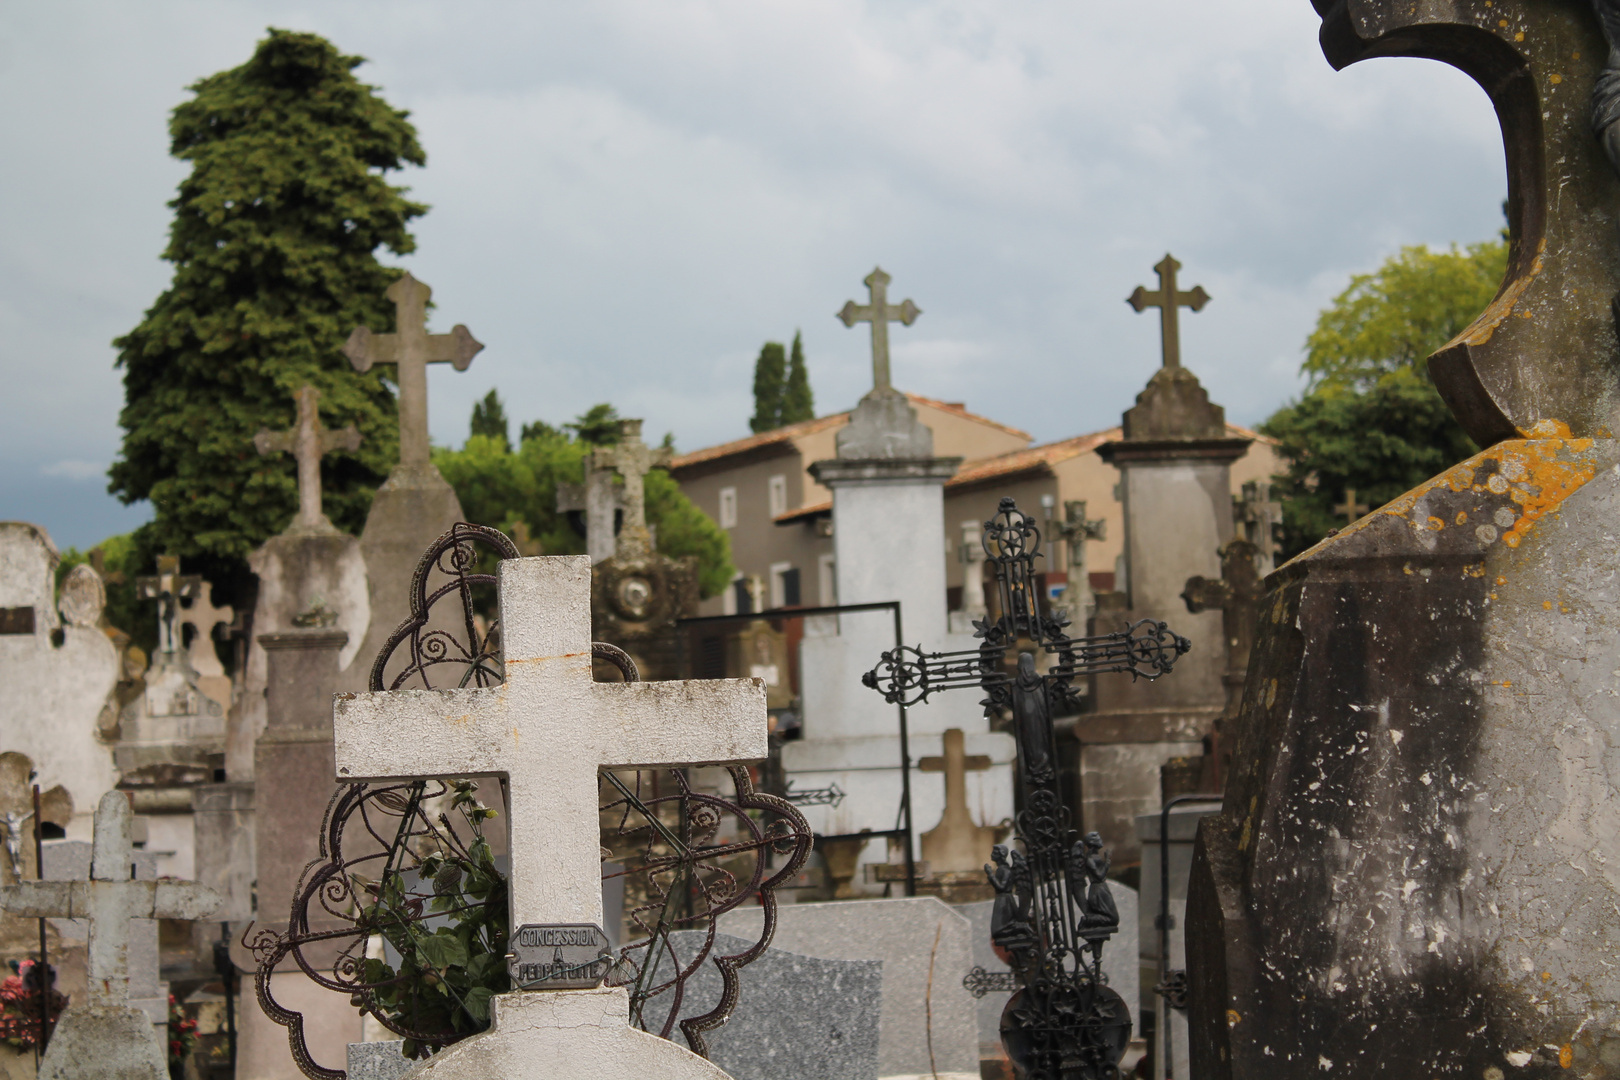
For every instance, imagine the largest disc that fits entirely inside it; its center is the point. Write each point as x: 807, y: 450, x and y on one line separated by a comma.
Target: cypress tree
x: 770, y: 372
x: 797, y: 401
x: 489, y: 419
x: 273, y: 244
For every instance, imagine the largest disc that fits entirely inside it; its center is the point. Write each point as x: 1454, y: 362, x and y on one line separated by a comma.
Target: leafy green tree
x: 274, y: 245
x: 1371, y: 419
x: 489, y: 418
x: 504, y: 488
x: 797, y: 401
x: 770, y: 380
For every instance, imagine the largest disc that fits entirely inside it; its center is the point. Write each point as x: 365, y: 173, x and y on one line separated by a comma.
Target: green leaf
x: 476, y: 1002
x: 442, y: 949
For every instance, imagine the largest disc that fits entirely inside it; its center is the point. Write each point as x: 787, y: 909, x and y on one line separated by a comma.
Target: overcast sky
x: 630, y: 196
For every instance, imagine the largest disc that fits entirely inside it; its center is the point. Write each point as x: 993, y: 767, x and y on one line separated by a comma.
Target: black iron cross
x: 1053, y: 909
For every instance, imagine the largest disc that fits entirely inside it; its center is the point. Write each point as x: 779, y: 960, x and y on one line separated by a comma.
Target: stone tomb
x: 105, y: 1035
x: 549, y: 730
x: 1414, y: 870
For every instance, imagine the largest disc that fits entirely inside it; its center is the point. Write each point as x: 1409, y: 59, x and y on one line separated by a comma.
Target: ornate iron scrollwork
x: 398, y: 859
x: 1054, y: 909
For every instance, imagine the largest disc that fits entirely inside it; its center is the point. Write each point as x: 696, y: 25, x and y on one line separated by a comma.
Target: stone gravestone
x: 105, y: 1035
x: 928, y: 1017
x: 415, y: 506
x: 1414, y: 869
x: 990, y: 980
x: 309, y: 566
x: 549, y: 730
x: 797, y: 1016
x: 1174, y: 461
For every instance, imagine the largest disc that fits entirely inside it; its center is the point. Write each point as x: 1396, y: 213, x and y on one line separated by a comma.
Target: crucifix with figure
x: 880, y: 313
x: 412, y: 348
x: 549, y: 730
x: 1169, y: 300
x: 632, y: 459
x: 168, y: 587
x: 110, y: 899
x: 308, y: 442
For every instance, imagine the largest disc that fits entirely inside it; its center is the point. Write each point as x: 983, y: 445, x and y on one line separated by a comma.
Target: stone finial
x: 880, y: 313
x: 1169, y: 301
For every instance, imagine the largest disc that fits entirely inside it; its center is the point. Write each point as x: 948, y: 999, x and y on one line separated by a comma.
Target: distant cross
x: 1169, y: 302
x: 880, y: 313
x: 632, y: 459
x: 168, y: 587
x: 957, y: 843
x: 971, y: 554
x: 1259, y: 516
x: 412, y: 348
x: 1074, y: 532
x: 1351, y: 509
x: 601, y: 501
x: 549, y: 730
x: 110, y: 899
x: 1236, y: 594
x: 308, y: 442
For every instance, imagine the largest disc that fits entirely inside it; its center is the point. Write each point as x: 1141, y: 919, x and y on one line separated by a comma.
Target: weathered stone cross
x: 1258, y: 516
x: 412, y: 348
x: 632, y: 459
x: 880, y: 313
x: 1075, y: 530
x: 1351, y: 509
x: 956, y: 844
x: 549, y: 729
x: 110, y: 899
x: 1169, y: 302
x: 308, y: 442
x: 1236, y: 593
x: 601, y: 501
x: 168, y: 587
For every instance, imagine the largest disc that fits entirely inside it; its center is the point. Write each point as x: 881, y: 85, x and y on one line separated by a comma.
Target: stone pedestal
x: 889, y: 544
x: 1417, y: 859
x: 1174, y: 463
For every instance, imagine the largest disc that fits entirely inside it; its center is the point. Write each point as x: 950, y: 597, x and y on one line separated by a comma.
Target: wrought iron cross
x: 1053, y: 908
x: 168, y: 587
x: 1169, y: 302
x: 412, y: 348
x: 308, y: 442
x: 880, y: 313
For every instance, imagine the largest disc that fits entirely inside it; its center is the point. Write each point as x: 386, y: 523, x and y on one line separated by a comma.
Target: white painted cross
x: 549, y: 729
x: 412, y: 348
x: 307, y: 442
x: 880, y: 313
x: 110, y: 899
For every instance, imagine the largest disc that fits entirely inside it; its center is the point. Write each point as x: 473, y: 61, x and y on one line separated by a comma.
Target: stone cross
x: 880, y: 313
x: 601, y: 501
x: 1075, y: 531
x: 956, y: 844
x: 971, y: 553
x: 1351, y: 509
x: 1236, y: 593
x: 203, y: 616
x: 1258, y: 517
x: 412, y: 348
x: 110, y: 899
x: 308, y: 442
x: 549, y: 730
x: 1169, y: 302
x: 168, y: 587
x: 632, y: 459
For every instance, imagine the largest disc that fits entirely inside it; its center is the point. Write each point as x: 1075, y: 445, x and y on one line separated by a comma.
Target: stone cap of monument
x: 884, y: 426
x: 1174, y: 418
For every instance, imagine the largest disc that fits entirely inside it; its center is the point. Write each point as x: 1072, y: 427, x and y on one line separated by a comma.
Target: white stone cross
x: 307, y: 442
x: 412, y: 348
x: 110, y: 899
x: 880, y: 313
x: 549, y: 729
x: 632, y: 459
x: 203, y: 616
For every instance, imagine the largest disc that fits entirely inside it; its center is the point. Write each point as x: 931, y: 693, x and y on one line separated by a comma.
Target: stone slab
x: 104, y: 1042
x: 797, y: 1018
x: 378, y: 1060
x: 910, y: 937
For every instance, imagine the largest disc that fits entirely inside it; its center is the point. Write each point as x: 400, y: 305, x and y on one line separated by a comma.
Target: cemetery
x: 881, y: 744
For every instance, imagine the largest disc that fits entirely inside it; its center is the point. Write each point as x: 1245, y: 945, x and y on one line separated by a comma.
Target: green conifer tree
x: 489, y: 419
x: 274, y: 246
x: 797, y: 401
x: 770, y: 376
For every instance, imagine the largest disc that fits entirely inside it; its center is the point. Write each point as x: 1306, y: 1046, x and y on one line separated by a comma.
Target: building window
x: 728, y: 508
x: 742, y: 600
x: 778, y: 492
x: 784, y: 585
x: 828, y: 581
x: 728, y: 598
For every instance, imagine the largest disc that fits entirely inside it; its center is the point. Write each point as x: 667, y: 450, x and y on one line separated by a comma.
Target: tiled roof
x: 960, y: 410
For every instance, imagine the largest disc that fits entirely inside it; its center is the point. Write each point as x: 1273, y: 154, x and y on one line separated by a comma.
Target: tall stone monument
x: 548, y: 730
x: 415, y: 506
x: 888, y: 544
x: 1174, y: 462
x: 1415, y: 871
